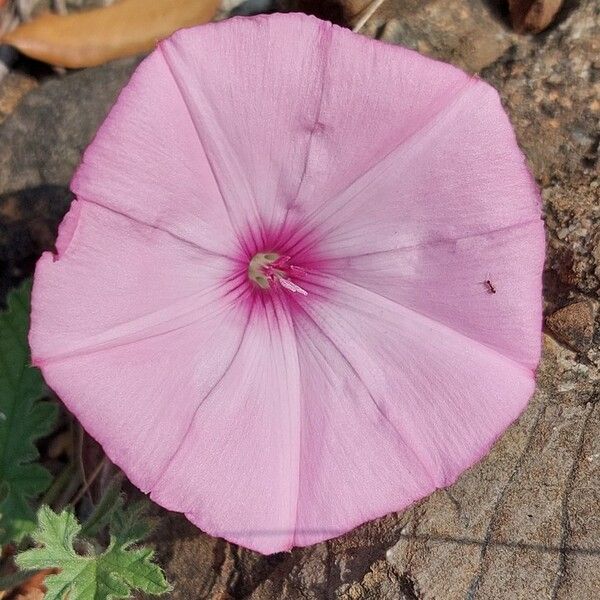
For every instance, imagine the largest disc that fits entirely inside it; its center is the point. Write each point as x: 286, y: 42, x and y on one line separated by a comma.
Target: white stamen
x: 291, y: 286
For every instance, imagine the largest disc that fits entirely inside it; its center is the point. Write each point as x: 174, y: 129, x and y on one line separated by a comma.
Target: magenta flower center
x: 268, y: 269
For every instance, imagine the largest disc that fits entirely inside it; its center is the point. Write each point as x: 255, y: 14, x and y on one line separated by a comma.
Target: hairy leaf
x: 95, y: 575
x: 23, y: 419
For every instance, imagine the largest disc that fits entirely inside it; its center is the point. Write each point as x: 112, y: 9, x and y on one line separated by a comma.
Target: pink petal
x: 446, y: 281
x: 236, y: 471
x: 147, y: 162
x: 394, y: 405
x: 449, y: 208
x: 461, y: 174
x: 296, y: 109
x: 130, y: 327
x: 256, y: 116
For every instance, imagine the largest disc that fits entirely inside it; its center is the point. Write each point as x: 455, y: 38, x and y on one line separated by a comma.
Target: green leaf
x: 23, y: 420
x: 97, y: 575
x: 128, y: 524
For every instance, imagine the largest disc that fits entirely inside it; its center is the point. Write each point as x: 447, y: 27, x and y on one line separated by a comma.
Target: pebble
x: 574, y: 324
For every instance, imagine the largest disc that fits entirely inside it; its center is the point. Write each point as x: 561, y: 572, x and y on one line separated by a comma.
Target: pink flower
x: 269, y: 300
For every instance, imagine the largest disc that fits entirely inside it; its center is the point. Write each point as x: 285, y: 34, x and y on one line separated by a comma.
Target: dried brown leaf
x: 97, y: 36
x: 532, y: 16
x: 34, y: 588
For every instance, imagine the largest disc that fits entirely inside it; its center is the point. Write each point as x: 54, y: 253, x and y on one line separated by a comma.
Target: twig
x: 106, y: 476
x: 366, y: 14
x: 79, y: 435
x: 24, y: 9
x: 86, y: 486
x: 59, y: 484
x: 69, y: 490
x: 59, y: 6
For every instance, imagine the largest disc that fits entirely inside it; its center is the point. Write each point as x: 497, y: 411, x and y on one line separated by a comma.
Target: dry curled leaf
x: 34, y: 588
x: 532, y: 16
x: 96, y: 36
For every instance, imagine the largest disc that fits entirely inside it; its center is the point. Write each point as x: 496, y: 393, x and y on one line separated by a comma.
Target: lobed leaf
x: 23, y: 420
x: 97, y: 575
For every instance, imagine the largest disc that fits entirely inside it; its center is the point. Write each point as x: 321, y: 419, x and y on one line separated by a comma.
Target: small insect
x: 489, y: 286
